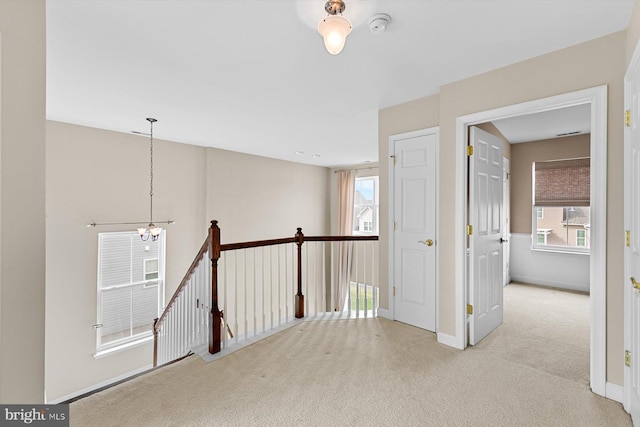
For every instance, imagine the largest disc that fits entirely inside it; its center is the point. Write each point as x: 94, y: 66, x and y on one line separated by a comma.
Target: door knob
x: 427, y: 242
x: 635, y: 284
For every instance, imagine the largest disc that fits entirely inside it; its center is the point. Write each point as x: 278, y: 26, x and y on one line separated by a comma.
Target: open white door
x: 414, y: 236
x: 485, y: 234
x: 632, y: 244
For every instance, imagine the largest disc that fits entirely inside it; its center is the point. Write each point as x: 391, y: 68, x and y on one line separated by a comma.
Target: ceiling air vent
x: 575, y: 132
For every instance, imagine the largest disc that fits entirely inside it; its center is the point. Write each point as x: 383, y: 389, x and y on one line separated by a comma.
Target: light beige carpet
x: 378, y: 372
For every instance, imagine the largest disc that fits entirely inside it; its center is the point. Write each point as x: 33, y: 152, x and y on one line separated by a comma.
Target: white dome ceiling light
x: 334, y: 28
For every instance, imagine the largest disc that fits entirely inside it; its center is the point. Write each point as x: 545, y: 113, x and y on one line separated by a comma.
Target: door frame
x: 506, y: 222
x: 627, y: 289
x: 597, y: 98
x: 391, y: 202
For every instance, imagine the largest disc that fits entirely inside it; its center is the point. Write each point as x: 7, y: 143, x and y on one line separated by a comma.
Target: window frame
x: 544, y: 235
x: 536, y: 209
x: 375, y: 206
x: 145, y: 271
x: 535, y: 246
x: 584, y: 237
x: 133, y: 339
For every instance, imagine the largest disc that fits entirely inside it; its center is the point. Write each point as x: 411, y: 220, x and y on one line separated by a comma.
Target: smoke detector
x: 378, y: 23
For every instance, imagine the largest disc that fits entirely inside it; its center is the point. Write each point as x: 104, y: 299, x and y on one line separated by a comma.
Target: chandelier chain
x: 151, y: 173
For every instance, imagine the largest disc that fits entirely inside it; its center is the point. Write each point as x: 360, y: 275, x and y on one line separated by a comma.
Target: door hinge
x: 627, y: 358
x: 394, y: 226
x: 469, y: 230
x: 394, y: 291
x: 627, y: 117
x: 627, y: 238
x: 469, y: 309
x: 394, y: 160
x: 469, y: 150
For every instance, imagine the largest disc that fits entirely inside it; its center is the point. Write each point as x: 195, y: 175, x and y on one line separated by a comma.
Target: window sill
x: 126, y: 346
x: 561, y: 251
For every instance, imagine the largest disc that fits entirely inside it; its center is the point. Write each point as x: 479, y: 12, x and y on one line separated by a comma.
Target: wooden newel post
x: 155, y: 342
x: 299, y: 296
x: 215, y: 321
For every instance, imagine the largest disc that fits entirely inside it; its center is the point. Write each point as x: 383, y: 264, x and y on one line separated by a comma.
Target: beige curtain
x: 346, y: 189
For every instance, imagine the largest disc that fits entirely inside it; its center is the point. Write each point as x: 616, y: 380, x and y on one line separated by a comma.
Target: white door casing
x: 485, y: 240
x: 597, y: 98
x: 506, y: 201
x: 632, y: 240
x: 414, y: 242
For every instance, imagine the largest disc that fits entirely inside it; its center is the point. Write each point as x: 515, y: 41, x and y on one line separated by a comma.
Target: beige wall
x: 415, y: 115
x: 594, y: 63
x: 522, y: 156
x: 101, y: 176
x: 260, y: 198
x: 22, y: 201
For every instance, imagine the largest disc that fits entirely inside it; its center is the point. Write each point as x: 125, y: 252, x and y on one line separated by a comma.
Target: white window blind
x: 562, y: 183
x: 129, y: 298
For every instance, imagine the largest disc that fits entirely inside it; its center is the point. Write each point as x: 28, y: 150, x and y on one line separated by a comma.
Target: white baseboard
x: 549, y: 283
x: 614, y: 392
x: 449, y: 340
x: 384, y: 313
x: 99, y: 385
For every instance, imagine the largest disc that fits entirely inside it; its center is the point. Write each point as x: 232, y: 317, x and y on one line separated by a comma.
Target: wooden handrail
x: 256, y: 244
x: 337, y: 238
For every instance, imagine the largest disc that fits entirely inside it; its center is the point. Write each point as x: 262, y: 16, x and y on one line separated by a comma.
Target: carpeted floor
x: 532, y: 371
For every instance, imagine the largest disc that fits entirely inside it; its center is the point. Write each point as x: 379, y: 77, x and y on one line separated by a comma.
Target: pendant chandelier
x: 151, y: 231
x: 334, y: 28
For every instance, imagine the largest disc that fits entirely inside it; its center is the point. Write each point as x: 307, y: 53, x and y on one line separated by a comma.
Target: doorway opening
x: 596, y: 98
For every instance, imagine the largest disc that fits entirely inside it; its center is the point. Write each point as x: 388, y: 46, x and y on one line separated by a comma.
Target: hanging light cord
x: 151, y: 174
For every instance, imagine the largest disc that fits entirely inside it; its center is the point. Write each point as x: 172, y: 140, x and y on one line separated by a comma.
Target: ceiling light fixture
x: 151, y: 231
x: 334, y: 28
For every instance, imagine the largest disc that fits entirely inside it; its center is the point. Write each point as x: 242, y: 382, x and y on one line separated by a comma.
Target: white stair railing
x: 184, y: 324
x: 250, y: 288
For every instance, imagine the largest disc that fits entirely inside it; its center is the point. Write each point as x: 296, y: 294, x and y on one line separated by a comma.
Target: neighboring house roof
x: 576, y: 216
x: 362, y: 211
x: 360, y: 199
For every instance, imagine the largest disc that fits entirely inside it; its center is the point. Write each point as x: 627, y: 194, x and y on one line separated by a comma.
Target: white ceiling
x: 547, y: 124
x: 253, y: 75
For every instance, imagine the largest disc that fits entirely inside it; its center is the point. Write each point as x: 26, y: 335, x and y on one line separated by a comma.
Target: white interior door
x: 414, y: 236
x: 632, y: 245
x: 485, y: 237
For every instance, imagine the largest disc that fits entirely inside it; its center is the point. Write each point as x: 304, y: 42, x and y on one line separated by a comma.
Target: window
x: 151, y: 269
x: 581, y: 238
x: 130, y: 287
x: 365, y: 206
x: 542, y: 237
x: 561, y: 212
